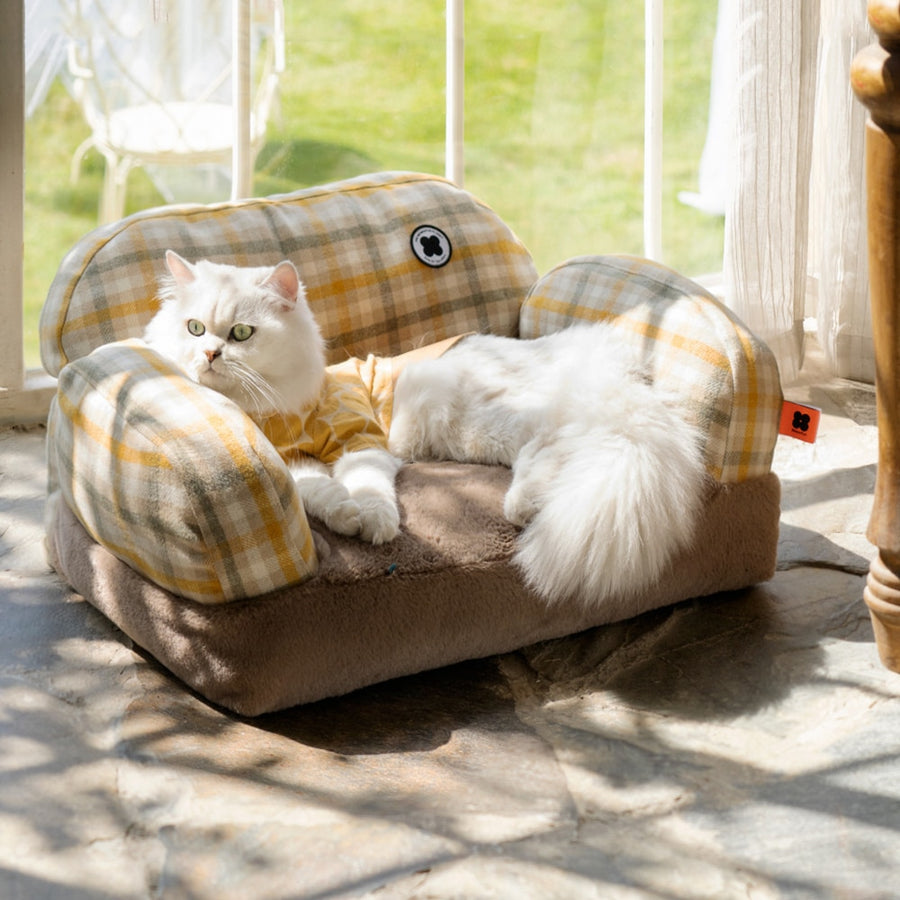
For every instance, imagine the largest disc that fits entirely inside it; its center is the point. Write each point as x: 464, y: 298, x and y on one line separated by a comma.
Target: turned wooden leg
x: 875, y: 77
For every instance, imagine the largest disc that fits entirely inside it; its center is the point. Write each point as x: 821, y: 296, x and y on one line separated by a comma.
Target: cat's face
x: 245, y: 332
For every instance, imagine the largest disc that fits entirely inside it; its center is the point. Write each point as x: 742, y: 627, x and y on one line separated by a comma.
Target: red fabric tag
x: 798, y: 421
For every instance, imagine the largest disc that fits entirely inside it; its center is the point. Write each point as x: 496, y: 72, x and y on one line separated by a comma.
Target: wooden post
x: 875, y: 76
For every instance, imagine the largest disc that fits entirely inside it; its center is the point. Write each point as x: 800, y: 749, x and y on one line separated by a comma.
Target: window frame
x: 25, y: 395
x: 12, y: 189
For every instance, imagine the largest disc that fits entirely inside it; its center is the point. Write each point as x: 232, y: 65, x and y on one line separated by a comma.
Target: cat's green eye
x: 241, y: 332
x: 196, y: 327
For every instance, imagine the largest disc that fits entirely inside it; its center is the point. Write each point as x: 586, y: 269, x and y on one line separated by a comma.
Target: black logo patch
x: 431, y: 246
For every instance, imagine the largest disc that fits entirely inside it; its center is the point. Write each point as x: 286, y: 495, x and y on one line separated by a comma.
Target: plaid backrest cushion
x: 694, y: 346
x: 174, y: 479
x: 390, y: 262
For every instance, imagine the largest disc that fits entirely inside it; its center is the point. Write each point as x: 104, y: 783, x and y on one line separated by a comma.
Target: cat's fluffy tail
x: 624, y: 496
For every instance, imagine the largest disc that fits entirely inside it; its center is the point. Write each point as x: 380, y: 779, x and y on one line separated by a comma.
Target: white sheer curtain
x: 795, y: 221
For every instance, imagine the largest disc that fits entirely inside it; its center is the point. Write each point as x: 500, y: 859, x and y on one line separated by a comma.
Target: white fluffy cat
x: 249, y: 334
x: 607, y: 475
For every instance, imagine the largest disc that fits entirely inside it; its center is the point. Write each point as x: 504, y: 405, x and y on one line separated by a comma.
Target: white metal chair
x: 154, y: 82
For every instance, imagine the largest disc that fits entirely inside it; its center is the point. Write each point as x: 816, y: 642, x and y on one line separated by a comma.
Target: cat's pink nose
x: 212, y: 354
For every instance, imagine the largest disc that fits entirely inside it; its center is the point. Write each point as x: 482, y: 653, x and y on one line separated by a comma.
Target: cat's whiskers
x: 260, y: 392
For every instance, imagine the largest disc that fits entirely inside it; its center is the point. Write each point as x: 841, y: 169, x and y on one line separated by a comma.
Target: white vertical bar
x: 455, y: 92
x: 12, y: 189
x: 241, y: 157
x: 653, y: 122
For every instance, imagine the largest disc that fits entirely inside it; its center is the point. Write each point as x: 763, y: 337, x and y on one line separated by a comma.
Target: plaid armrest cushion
x: 695, y: 347
x: 174, y: 479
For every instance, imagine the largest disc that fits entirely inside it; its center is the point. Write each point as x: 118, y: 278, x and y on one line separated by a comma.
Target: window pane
x: 553, y: 128
x: 565, y: 87
x: 553, y: 118
x: 363, y: 92
x: 692, y: 239
x: 554, y: 125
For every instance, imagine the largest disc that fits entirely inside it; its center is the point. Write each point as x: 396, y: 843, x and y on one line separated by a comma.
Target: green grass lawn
x: 554, y: 121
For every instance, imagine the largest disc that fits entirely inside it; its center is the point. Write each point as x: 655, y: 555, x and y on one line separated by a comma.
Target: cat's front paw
x: 343, y: 517
x: 379, y: 520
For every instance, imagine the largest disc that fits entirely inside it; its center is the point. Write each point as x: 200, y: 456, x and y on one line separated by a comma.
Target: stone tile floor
x: 744, y: 745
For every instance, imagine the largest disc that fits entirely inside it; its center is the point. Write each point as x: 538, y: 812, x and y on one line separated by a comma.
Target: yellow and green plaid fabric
x: 174, y: 479
x: 694, y: 346
x: 352, y: 243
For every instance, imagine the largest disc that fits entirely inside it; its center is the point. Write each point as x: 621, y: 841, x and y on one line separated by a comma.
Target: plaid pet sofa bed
x: 173, y: 515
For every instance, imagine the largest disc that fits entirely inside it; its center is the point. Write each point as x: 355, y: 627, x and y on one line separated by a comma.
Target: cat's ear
x: 182, y: 271
x: 285, y: 281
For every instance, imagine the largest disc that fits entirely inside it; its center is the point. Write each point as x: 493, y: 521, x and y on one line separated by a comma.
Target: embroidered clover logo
x: 801, y: 421
x: 431, y: 246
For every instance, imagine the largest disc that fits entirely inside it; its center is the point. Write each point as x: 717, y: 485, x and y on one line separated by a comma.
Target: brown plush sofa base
x: 443, y: 592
